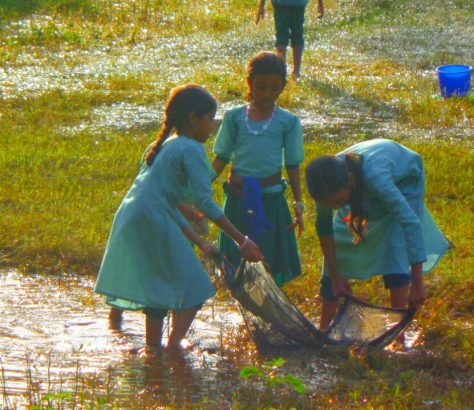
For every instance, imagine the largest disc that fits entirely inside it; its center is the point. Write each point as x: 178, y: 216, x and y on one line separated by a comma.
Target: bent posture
x: 381, y: 225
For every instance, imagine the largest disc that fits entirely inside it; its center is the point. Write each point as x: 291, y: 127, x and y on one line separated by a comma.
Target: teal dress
x: 148, y: 261
x: 260, y: 156
x: 400, y: 229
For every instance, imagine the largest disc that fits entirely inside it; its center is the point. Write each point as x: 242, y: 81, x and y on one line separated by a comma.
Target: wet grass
x: 80, y: 81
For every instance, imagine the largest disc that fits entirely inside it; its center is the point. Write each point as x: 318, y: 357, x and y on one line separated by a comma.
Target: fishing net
x: 274, y: 322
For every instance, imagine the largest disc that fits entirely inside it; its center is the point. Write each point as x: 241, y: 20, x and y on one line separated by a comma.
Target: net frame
x: 274, y: 321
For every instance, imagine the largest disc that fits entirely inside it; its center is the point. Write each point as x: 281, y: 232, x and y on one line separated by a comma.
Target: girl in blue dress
x: 259, y: 139
x: 149, y: 263
x: 381, y: 225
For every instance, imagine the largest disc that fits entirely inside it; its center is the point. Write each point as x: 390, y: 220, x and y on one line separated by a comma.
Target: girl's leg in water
x: 181, y: 322
x: 115, y: 314
x: 154, y: 331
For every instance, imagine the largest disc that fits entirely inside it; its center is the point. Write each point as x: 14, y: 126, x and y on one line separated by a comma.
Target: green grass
x: 368, y: 73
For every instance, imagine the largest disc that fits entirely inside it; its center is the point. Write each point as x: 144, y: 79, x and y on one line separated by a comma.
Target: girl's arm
x: 407, y: 211
x: 249, y: 249
x: 190, y: 213
x: 205, y: 246
x: 218, y: 166
x: 340, y: 286
x: 295, y: 182
x: 198, y: 174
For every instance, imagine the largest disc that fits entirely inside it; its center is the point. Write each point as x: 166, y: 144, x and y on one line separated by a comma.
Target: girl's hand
x: 208, y: 248
x: 298, y: 207
x: 298, y: 222
x: 250, y: 251
x: 261, y: 12
x: 340, y: 286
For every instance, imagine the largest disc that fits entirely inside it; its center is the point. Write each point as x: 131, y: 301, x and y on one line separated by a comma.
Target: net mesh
x: 274, y: 322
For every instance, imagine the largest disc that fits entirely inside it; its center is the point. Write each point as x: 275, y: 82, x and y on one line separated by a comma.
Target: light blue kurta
x: 400, y: 229
x: 148, y: 261
x: 262, y: 155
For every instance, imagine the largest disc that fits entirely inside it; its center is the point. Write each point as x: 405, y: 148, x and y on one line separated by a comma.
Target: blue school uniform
x: 400, y: 229
x: 260, y: 156
x: 148, y: 261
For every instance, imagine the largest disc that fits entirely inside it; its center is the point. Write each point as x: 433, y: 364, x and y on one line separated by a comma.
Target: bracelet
x: 298, y: 206
x: 246, y: 240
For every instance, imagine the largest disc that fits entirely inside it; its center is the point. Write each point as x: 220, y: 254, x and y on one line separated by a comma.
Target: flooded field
x: 82, y: 87
x: 328, y: 102
x: 55, y: 336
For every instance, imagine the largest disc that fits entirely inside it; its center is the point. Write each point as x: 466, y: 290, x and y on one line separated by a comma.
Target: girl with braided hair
x: 149, y: 263
x: 381, y: 225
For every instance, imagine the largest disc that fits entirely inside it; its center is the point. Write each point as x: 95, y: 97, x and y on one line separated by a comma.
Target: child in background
x: 149, y: 263
x: 259, y: 138
x: 381, y: 225
x: 289, y: 24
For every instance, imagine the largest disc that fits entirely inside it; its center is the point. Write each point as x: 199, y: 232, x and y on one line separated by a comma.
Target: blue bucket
x: 454, y: 79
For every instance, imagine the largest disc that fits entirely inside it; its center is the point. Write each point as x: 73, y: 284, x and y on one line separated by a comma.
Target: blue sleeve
x: 293, y: 145
x: 199, y: 176
x: 406, y: 212
x: 188, y: 195
x: 225, y: 140
x: 178, y: 217
x: 324, y: 217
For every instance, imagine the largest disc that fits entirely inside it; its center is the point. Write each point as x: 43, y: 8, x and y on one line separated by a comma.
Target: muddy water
x: 55, y: 335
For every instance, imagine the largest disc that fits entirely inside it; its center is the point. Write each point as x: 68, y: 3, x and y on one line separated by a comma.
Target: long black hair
x: 183, y: 100
x: 328, y: 174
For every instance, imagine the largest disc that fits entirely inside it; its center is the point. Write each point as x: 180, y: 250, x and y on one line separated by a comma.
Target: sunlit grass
x: 368, y: 72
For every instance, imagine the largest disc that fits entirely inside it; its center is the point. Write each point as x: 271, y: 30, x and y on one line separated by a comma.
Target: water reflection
x: 55, y: 334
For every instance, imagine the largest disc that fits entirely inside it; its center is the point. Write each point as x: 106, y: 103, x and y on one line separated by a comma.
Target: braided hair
x: 183, y: 101
x: 327, y: 175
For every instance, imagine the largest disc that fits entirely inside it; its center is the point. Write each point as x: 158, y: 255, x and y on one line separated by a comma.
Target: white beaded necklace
x: 264, y: 126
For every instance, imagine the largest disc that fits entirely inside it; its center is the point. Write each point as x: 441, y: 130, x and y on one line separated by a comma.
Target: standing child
x: 289, y: 24
x: 149, y: 263
x: 259, y: 138
x: 381, y: 225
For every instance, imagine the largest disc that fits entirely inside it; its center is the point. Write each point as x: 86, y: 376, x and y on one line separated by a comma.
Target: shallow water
x: 159, y: 62
x: 55, y: 333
